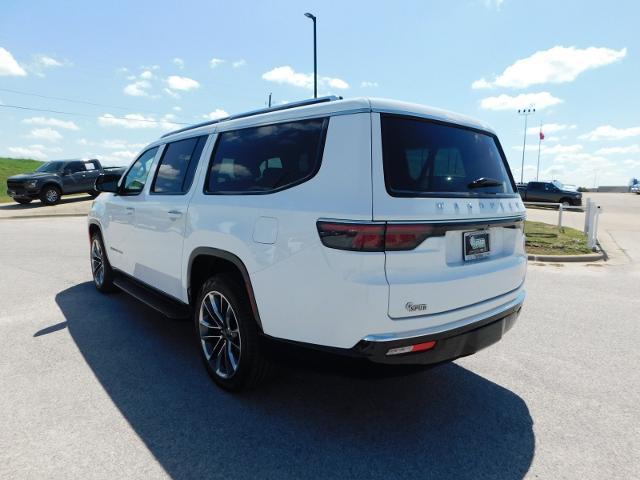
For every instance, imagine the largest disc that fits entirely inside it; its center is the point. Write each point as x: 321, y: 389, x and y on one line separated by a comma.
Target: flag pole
x: 539, y: 144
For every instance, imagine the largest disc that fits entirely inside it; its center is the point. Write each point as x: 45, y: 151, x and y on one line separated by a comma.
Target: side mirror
x: 108, y: 182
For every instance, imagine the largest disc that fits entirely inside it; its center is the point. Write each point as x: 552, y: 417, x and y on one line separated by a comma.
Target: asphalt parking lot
x: 95, y: 386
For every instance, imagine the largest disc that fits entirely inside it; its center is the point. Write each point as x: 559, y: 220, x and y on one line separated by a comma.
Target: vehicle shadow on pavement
x: 38, y: 204
x: 445, y: 422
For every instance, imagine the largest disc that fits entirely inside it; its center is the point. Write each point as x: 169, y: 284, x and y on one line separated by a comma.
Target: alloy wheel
x: 97, y: 262
x: 219, y: 334
x: 51, y: 195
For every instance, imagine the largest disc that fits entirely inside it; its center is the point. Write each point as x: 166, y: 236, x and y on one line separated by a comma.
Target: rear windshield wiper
x: 485, y: 182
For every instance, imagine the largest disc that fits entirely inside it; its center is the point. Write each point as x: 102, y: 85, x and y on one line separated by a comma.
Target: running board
x: 156, y: 300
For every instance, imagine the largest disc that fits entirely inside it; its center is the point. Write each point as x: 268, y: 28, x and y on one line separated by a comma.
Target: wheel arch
x: 52, y: 183
x: 95, y: 227
x: 205, y: 261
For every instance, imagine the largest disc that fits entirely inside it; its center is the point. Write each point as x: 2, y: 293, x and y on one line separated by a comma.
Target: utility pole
x: 269, y: 99
x: 526, y: 112
x: 315, y: 55
x: 539, y: 145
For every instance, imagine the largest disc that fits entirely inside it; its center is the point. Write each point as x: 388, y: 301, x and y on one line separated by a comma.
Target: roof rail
x: 286, y: 106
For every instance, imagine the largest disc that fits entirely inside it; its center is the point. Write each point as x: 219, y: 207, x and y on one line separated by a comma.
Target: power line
x: 64, y: 99
x: 20, y: 107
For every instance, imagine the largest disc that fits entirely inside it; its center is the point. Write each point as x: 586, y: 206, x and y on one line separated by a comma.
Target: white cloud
x: 147, y: 75
x: 171, y: 93
x: 32, y: 151
x: 287, y: 75
x: 497, y: 4
x: 51, y: 122
x: 47, y: 61
x: 539, y: 100
x: 216, y: 114
x: 43, y: 62
x: 480, y: 83
x: 619, y: 150
x: 239, y: 63
x: 548, y: 128
x: 9, y: 66
x: 178, y: 62
x: 556, y: 65
x: 111, y: 144
x: 183, y: 84
x: 607, y: 132
x: 139, y: 88
x: 177, y: 109
x: 215, y: 62
x: 367, y: 84
x: 46, y: 133
x: 131, y: 120
x: 560, y: 149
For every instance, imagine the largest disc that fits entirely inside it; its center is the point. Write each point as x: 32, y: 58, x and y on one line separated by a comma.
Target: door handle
x: 130, y: 210
x: 175, y: 213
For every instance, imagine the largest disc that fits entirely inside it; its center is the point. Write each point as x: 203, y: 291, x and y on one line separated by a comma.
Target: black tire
x: 566, y: 202
x: 98, y: 258
x: 50, y: 195
x: 93, y: 193
x: 240, y: 338
x: 23, y: 201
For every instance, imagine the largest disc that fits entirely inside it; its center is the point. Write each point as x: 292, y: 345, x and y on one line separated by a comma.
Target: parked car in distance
x: 552, y: 192
x: 369, y: 228
x: 60, y: 177
x: 635, y: 188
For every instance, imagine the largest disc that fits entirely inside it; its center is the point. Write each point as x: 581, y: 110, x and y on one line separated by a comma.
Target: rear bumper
x: 456, y: 342
x: 449, y: 345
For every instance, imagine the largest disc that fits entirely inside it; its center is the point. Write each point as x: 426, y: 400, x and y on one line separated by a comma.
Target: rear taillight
x: 372, y: 237
x: 361, y: 237
x: 406, y: 236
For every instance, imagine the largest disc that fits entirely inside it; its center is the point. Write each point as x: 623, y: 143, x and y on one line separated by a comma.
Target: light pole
x: 526, y: 112
x: 540, y: 136
x: 315, y: 55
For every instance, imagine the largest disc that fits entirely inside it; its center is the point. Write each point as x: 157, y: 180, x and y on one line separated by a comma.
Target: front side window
x: 267, y: 158
x: 50, y: 167
x: 136, y: 177
x: 178, y: 165
x: 426, y: 158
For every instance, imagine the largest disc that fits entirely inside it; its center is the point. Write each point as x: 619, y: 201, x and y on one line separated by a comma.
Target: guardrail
x: 591, y: 213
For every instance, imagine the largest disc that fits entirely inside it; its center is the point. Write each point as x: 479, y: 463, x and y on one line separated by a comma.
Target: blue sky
x: 139, y: 67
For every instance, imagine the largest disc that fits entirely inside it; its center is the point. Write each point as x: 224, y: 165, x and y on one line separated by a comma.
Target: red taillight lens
x: 372, y: 237
x: 406, y: 237
x: 352, y: 236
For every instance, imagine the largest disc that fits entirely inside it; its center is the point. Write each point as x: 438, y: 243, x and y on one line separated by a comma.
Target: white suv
x: 367, y: 227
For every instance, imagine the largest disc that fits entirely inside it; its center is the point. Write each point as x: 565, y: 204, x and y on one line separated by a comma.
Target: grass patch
x: 13, y: 166
x: 545, y: 239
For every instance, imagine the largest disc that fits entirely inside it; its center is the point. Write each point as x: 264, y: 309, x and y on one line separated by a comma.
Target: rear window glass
x: 423, y: 158
x: 267, y: 158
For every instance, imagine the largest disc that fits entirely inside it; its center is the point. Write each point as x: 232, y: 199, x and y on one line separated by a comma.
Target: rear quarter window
x: 267, y: 158
x: 427, y: 158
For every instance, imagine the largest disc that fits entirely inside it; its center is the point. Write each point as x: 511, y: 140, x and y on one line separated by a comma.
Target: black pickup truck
x: 552, y: 192
x: 54, y: 179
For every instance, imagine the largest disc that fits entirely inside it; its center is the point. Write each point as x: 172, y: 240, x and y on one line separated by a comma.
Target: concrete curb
x: 589, y: 257
x: 20, y: 217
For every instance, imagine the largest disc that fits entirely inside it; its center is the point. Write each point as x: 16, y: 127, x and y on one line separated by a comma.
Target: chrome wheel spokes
x: 97, y: 262
x: 219, y: 334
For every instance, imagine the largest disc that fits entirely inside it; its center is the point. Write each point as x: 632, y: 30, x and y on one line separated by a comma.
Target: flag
x: 541, y: 135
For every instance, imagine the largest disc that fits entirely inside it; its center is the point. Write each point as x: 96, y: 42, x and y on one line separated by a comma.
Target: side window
x: 74, y: 167
x: 90, y: 166
x: 136, y: 177
x: 178, y: 165
x: 266, y: 158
